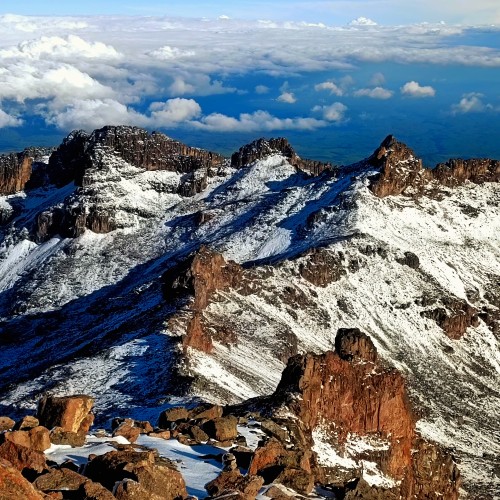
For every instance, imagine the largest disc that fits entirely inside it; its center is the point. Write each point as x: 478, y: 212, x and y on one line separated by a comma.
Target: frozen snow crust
x: 87, y: 314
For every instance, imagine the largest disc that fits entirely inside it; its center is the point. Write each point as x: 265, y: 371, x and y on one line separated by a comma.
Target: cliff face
x: 262, y: 148
x: 347, y: 393
x: 401, y: 172
x: 15, y: 172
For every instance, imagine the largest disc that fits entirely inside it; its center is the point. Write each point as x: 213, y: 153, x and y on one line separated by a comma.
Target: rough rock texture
x: 59, y: 436
x: 226, y: 482
x: 322, y: 267
x: 157, y: 476
x: 402, y: 172
x: 222, y: 428
x: 35, y: 439
x: 200, y: 277
x: 351, y: 344
x: 26, y: 423
x: 356, y: 396
x: 455, y: 317
x: 14, y: 486
x: 171, y: 415
x: 262, y: 148
x: 399, y: 168
x: 15, y: 172
x: 90, y: 490
x: 71, y: 413
x: 59, y: 480
x: 6, y: 424
x: 22, y: 457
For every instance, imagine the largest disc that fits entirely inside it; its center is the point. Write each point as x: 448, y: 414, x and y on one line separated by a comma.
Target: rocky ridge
x: 288, y: 259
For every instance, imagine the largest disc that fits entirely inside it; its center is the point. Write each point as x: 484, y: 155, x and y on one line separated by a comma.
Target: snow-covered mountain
x: 137, y: 269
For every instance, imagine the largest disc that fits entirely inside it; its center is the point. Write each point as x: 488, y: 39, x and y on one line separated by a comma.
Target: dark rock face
x: 200, y: 277
x: 351, y: 344
x: 401, y: 172
x: 399, y: 168
x: 262, y: 148
x: 322, y: 267
x: 234, y: 481
x: 15, y: 172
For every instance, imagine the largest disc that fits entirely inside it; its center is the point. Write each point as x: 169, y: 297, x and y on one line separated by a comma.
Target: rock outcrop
x: 261, y: 148
x: 15, y: 172
x: 198, y: 279
x: 401, y: 172
x: 14, y: 486
x: 348, y: 393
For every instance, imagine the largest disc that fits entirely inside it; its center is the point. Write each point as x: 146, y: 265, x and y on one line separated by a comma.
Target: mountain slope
x: 117, y: 285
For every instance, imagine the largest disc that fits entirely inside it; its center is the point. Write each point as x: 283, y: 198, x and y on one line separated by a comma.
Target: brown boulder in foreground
x: 14, y: 486
x: 71, y: 413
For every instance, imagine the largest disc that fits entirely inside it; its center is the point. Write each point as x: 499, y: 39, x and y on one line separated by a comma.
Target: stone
x: 198, y: 434
x: 161, y: 435
x: 91, y: 490
x: 156, y: 475
x: 206, y: 411
x: 234, y: 480
x: 71, y: 413
x: 279, y: 492
x: 321, y: 267
x: 15, y: 172
x: 6, y: 424
x: 222, y: 428
x: 275, y: 430
x: 132, y: 490
x: 23, y: 458
x: 351, y: 344
x: 243, y: 456
x: 59, y: 479
x: 127, y: 430
x: 171, y: 415
x: 297, y: 479
x: 26, y: 423
x: 74, y: 439
x: 13, y: 486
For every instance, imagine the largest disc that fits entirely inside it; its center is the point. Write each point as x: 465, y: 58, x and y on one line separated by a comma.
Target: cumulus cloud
x: 59, y: 48
x: 255, y: 122
x: 471, y: 103
x: 167, y: 53
x: 332, y: 87
x: 333, y: 113
x: 375, y: 93
x: 362, y: 21
x: 261, y: 89
x: 200, y: 85
x: 7, y: 120
x: 165, y: 114
x: 287, y: 97
x: 414, y: 89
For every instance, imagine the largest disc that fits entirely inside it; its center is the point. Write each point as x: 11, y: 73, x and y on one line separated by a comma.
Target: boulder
x: 35, y: 439
x: 26, y: 423
x: 59, y: 480
x: 132, y: 490
x: 127, y: 430
x: 156, y: 475
x: 6, y: 424
x: 90, y: 490
x: 351, y: 344
x: 59, y: 436
x: 222, y: 428
x: 297, y: 479
x: 71, y: 413
x: 23, y: 458
x: 171, y: 415
x: 234, y: 481
x: 206, y: 411
x: 13, y: 486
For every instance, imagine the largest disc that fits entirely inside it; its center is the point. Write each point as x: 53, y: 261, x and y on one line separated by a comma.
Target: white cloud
x: 375, y: 93
x: 332, y: 87
x: 287, y: 97
x: 59, y: 48
x: 261, y: 89
x: 255, y: 122
x: 414, y: 89
x: 199, y: 85
x: 167, y: 53
x: 164, y: 114
x: 362, y: 21
x: 333, y: 113
x: 471, y: 103
x: 7, y: 120
x: 180, y: 87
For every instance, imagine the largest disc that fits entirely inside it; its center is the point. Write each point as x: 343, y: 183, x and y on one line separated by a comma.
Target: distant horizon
x: 334, y: 91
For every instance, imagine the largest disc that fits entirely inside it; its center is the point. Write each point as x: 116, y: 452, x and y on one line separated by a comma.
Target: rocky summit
x: 335, y: 327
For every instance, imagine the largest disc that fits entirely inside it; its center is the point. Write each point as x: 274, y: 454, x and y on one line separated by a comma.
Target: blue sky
x: 332, y: 12
x: 334, y: 89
